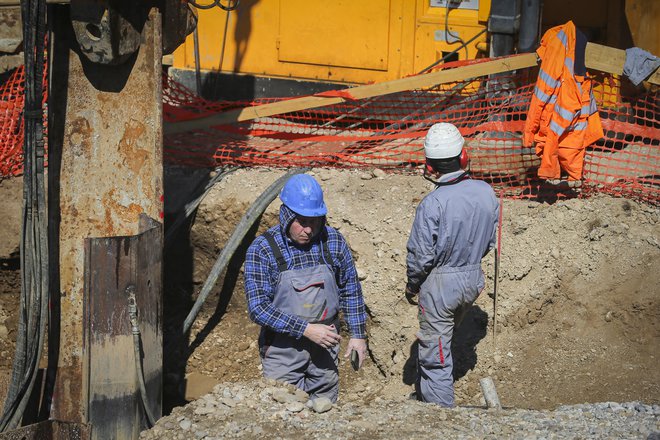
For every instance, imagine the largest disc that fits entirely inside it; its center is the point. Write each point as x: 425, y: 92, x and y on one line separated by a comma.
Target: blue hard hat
x: 303, y: 195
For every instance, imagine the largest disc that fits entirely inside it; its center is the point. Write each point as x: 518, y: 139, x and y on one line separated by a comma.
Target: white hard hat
x: 443, y: 141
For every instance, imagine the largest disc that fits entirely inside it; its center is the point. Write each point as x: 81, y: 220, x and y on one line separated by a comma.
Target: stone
x: 321, y: 405
x: 378, y: 173
x: 203, y: 410
x: 283, y: 396
x: 295, y: 407
x: 196, y: 385
x: 300, y: 395
x: 185, y: 424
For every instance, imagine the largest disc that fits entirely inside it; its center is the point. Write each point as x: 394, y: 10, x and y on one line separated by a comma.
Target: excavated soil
x: 577, y: 310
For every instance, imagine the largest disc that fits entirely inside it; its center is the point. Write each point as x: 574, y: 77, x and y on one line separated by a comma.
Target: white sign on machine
x: 455, y: 4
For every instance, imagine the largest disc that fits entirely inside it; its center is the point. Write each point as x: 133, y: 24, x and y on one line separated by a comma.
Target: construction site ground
x: 578, y: 308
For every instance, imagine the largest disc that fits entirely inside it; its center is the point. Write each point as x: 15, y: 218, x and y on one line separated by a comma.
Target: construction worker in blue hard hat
x: 298, y: 276
x: 454, y: 227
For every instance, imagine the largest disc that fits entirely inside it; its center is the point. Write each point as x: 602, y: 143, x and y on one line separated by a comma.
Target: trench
x: 567, y: 319
x: 582, y: 328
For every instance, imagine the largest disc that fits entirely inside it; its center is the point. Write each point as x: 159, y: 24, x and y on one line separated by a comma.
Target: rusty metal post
x: 105, y: 173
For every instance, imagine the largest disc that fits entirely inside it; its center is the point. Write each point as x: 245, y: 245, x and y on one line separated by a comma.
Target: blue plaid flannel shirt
x: 261, y: 274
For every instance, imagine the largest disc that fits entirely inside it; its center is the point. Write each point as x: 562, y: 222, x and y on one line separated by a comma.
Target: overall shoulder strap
x: 325, y: 251
x: 327, y: 257
x: 281, y: 261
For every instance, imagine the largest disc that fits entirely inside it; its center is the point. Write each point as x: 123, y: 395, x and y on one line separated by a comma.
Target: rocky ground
x: 577, y: 320
x: 263, y: 409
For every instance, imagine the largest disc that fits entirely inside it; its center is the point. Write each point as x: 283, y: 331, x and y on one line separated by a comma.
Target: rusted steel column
x: 106, y: 161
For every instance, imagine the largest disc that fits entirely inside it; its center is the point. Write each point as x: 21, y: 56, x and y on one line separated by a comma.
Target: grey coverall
x: 313, y: 295
x: 454, y: 228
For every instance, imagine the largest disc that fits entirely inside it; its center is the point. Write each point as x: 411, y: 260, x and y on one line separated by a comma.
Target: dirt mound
x: 577, y: 307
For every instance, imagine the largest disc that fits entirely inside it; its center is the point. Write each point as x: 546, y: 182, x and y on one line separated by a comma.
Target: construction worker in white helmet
x: 454, y: 228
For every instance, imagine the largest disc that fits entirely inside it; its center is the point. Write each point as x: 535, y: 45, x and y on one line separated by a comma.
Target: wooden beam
x: 361, y: 92
x: 597, y: 57
x: 610, y: 60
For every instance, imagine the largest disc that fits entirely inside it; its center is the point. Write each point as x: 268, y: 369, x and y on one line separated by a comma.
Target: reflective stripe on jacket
x: 563, y: 117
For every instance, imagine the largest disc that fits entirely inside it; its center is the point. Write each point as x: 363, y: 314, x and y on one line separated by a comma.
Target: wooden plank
x: 597, y: 57
x: 610, y: 60
x: 361, y: 92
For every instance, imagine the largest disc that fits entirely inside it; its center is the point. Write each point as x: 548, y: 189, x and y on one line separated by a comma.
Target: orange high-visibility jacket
x: 563, y: 118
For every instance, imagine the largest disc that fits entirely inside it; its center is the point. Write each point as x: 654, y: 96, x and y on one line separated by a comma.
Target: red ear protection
x: 464, y: 159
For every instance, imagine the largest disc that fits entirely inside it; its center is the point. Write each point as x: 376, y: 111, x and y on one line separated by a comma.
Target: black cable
x: 214, y: 3
x: 34, y: 244
x: 448, y: 33
x: 483, y: 31
x: 224, y: 41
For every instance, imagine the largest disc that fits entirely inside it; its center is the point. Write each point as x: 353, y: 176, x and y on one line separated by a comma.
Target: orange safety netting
x: 387, y: 132
x: 11, y: 122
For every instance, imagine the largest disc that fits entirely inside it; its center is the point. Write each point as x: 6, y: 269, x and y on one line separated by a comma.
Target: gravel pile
x: 266, y: 409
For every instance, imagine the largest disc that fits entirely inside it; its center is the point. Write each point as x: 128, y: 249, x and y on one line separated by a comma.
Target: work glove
x: 411, y: 296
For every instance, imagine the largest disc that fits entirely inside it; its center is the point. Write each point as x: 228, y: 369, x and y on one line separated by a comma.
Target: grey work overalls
x: 466, y: 230
x: 311, y: 294
x: 445, y: 296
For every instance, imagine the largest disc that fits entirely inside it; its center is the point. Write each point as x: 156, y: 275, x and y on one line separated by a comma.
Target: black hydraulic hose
x: 34, y: 244
x: 135, y: 329
x: 244, y: 225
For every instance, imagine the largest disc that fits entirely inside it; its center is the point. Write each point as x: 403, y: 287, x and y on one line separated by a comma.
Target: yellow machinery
x: 339, y: 41
x: 359, y: 42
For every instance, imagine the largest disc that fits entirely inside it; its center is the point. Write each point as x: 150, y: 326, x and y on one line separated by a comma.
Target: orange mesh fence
x: 387, y: 132
x: 11, y: 122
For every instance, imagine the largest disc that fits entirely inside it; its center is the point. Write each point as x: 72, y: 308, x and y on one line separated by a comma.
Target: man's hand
x: 411, y: 296
x: 359, y: 345
x: 324, y: 335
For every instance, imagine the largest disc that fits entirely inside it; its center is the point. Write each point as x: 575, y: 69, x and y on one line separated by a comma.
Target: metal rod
x: 497, y: 267
x: 198, y: 74
x: 224, y: 42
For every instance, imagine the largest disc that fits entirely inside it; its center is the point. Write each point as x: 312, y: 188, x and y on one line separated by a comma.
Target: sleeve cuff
x: 299, y: 327
x: 359, y: 332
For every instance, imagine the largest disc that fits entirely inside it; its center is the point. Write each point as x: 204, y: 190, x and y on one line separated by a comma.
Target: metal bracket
x: 108, y: 32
